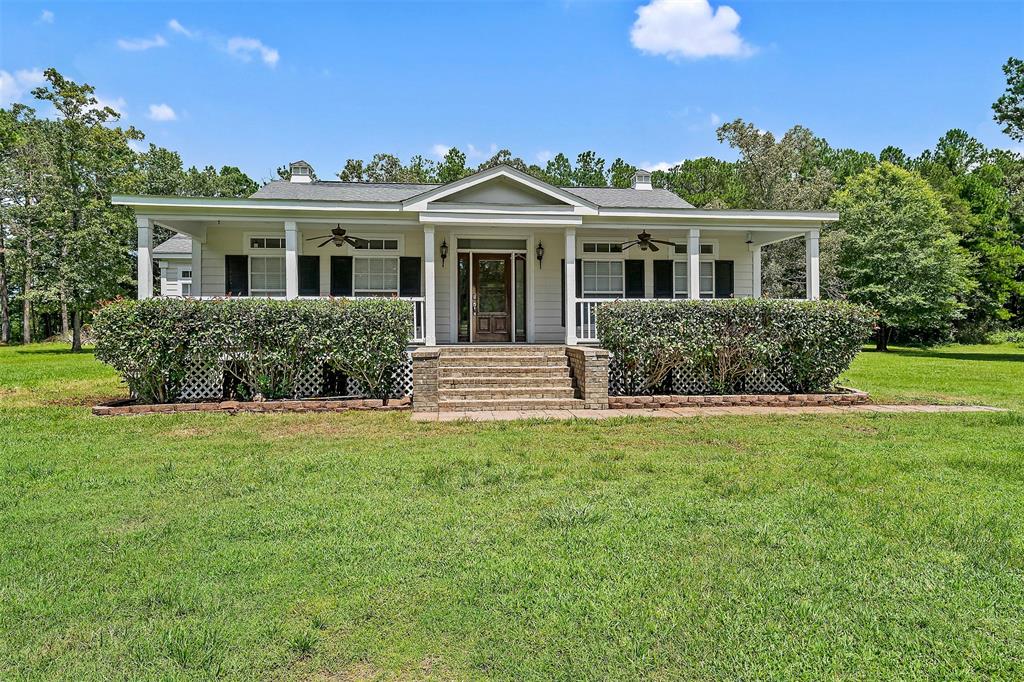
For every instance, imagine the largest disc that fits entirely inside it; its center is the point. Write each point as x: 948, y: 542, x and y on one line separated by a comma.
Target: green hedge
x: 804, y: 344
x: 264, y: 345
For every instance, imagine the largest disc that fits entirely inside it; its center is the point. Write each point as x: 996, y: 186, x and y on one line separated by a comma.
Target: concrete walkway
x: 676, y: 412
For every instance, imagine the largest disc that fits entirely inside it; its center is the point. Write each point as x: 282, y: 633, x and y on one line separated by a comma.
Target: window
x: 378, y: 245
x: 682, y: 282
x: 266, y: 276
x: 706, y: 249
x: 707, y: 279
x: 261, y: 243
x: 375, y: 276
x: 602, y: 247
x: 492, y: 244
x: 602, y: 279
x: 186, y: 282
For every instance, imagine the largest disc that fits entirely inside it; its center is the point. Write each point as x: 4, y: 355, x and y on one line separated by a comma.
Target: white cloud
x: 440, y: 150
x: 689, y: 29
x: 118, y: 104
x: 714, y: 119
x: 545, y: 155
x: 139, y: 44
x: 14, y: 86
x: 162, y: 112
x: 176, y: 26
x: 474, y: 154
x: 46, y: 16
x: 660, y: 166
x: 245, y: 48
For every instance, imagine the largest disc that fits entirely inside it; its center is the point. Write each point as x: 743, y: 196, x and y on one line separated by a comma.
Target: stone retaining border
x: 849, y: 396
x: 123, y: 407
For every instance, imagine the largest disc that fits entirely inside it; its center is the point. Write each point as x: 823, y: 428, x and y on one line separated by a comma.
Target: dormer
x: 300, y: 171
x: 642, y: 179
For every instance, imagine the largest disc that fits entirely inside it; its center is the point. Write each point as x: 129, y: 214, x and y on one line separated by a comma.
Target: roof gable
x: 500, y: 185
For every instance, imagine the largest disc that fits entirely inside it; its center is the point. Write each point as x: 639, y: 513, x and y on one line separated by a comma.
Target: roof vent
x: 642, y: 180
x: 300, y: 171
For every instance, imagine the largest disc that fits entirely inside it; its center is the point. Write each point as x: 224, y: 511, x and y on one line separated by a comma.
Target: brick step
x: 493, y: 393
x: 514, y: 404
x: 505, y: 361
x: 559, y: 381
x: 531, y: 371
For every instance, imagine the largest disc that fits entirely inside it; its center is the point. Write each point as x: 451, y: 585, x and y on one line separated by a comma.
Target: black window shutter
x: 634, y: 271
x: 663, y: 279
x: 341, y: 275
x: 236, y: 275
x: 724, y: 285
x: 579, y: 279
x: 409, y: 276
x: 309, y: 275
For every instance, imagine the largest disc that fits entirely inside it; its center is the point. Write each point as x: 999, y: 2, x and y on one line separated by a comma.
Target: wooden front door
x: 492, y: 308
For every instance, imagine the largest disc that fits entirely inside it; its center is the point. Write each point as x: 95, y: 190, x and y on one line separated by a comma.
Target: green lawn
x: 365, y: 546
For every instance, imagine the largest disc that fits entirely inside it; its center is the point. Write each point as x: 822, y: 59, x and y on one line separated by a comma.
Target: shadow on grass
x: 946, y: 355
x: 50, y: 350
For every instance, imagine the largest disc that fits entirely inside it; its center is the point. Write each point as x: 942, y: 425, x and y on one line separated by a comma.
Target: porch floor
x: 677, y: 412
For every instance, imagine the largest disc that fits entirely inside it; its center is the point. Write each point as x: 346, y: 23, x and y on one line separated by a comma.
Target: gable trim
x: 419, y: 202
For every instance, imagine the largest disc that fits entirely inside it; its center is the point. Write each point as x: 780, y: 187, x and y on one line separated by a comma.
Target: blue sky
x: 257, y: 85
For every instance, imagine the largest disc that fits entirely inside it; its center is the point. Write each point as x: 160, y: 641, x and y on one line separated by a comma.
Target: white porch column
x: 755, y: 278
x: 291, y: 259
x: 693, y: 263
x: 430, y: 331
x: 197, y: 267
x: 570, y: 286
x: 145, y: 257
x: 813, y: 274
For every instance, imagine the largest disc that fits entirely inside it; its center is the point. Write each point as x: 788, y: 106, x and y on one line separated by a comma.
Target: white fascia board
x: 540, y: 209
x: 198, y: 204
x: 722, y: 215
x: 420, y: 201
x: 432, y: 218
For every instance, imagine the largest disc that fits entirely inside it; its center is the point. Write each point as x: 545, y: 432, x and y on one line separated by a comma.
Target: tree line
x: 934, y: 242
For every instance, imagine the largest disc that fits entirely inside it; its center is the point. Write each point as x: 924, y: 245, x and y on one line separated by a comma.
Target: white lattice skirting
x: 686, y: 382
x: 206, y: 382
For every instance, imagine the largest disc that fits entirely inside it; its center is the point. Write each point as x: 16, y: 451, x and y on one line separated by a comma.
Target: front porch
x: 520, y: 288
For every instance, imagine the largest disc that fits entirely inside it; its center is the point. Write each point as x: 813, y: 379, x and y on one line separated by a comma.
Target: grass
x: 365, y: 546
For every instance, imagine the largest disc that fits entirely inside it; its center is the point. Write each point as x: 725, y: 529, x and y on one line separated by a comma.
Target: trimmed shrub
x: 264, y: 345
x: 728, y: 344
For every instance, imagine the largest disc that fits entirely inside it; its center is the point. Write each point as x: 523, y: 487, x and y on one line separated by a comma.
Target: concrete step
x: 503, y: 361
x: 494, y: 393
x: 516, y: 381
x: 514, y: 404
x: 532, y: 371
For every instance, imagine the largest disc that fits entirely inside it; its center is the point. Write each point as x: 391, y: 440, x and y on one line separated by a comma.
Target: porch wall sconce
x: 540, y: 254
x: 444, y: 252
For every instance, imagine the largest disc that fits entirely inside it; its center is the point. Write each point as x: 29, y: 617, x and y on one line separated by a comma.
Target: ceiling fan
x: 645, y: 242
x: 339, y: 237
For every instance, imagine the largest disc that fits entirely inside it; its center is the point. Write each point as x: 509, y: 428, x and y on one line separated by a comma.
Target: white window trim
x: 685, y: 293
x: 352, y: 251
x: 381, y: 255
x: 602, y: 294
x: 248, y: 250
x: 703, y: 242
x: 183, y: 281
x: 265, y: 253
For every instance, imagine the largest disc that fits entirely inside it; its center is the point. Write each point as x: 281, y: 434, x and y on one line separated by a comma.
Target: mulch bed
x: 123, y: 407
x: 849, y: 396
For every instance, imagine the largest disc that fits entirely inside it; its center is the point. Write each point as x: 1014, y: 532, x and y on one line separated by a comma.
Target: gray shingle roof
x: 179, y: 243
x: 340, y: 191
x: 394, y: 191
x: 611, y: 197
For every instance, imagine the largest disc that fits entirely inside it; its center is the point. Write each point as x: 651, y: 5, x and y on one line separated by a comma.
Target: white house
x: 498, y: 256
x: 174, y: 260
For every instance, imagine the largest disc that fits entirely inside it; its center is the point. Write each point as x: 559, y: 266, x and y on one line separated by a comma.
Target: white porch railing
x: 586, y: 318
x: 419, y: 328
